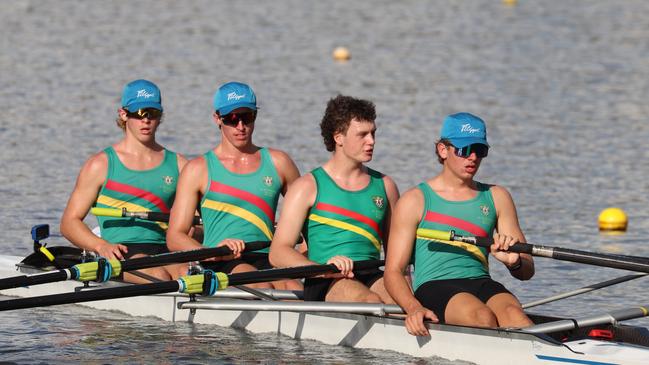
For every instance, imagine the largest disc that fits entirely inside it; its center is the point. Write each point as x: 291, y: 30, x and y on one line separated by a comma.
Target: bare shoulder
x: 280, y: 158
x: 96, y: 165
x: 195, y: 166
x: 305, y: 182
x: 500, y: 193
x: 182, y: 161
x: 413, y: 197
x: 389, y: 182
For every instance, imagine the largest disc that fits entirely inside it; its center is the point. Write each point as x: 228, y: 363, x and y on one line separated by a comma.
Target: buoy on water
x: 612, y: 220
x: 510, y: 2
x: 341, y: 54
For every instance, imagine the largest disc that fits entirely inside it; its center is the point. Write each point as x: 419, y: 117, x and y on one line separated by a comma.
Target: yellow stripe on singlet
x: 241, y: 213
x: 348, y: 227
x: 472, y: 249
x: 116, y: 203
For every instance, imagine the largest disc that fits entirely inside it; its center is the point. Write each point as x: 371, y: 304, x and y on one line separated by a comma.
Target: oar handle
x: 149, y: 215
x: 296, y: 272
x: 106, y: 212
x: 633, y: 263
x: 186, y: 256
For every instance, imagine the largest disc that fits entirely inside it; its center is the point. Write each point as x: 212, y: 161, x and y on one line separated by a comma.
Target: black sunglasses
x: 232, y: 119
x: 479, y: 149
x: 149, y: 113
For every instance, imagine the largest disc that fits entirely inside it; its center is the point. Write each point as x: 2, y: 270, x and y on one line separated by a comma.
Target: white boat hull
x: 481, y: 346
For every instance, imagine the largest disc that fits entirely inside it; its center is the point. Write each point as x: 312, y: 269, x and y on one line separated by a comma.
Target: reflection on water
x: 560, y: 84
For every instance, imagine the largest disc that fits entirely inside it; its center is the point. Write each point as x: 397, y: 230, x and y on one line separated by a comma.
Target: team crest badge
x: 268, y: 180
x: 378, y: 201
x: 484, y: 209
x: 168, y: 180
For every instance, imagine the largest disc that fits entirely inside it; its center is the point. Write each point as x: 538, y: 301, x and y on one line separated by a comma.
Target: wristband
x: 516, y: 266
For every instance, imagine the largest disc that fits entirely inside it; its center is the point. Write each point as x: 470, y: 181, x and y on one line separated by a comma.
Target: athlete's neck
x: 350, y: 175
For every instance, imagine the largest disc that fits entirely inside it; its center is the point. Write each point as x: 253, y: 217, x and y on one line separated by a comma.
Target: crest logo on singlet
x: 484, y: 209
x: 268, y: 180
x: 378, y: 201
x: 168, y: 180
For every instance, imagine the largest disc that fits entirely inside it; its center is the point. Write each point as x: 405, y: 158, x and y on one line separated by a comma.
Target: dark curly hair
x: 340, y: 112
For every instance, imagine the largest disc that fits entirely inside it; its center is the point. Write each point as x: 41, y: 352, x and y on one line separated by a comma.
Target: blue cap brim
x: 227, y: 109
x: 463, y: 142
x: 144, y: 105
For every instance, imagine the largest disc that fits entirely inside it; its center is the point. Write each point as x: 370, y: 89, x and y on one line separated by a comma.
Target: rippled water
x: 561, y: 84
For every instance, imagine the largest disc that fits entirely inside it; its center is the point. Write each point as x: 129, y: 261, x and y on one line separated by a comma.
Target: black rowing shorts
x: 436, y: 294
x: 315, y: 289
x: 145, y: 248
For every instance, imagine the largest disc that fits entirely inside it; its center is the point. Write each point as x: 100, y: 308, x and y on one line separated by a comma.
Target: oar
x: 584, y: 289
x: 206, y: 283
x: 633, y: 263
x: 149, y: 216
x: 105, y: 269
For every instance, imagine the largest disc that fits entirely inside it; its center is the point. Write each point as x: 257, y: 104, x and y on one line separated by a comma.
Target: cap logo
x: 467, y: 128
x: 234, y: 96
x: 144, y: 94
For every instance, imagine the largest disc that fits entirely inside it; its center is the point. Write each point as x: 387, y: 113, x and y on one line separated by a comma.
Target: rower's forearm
x: 80, y: 235
x: 287, y: 257
x: 178, y: 241
x: 399, y: 289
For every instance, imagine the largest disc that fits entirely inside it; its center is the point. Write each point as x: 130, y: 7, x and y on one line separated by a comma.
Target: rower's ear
x: 217, y: 119
x: 442, y: 150
x: 338, y: 138
x: 122, y: 114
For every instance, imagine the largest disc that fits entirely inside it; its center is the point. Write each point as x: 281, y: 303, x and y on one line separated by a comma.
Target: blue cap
x: 234, y: 95
x: 463, y: 129
x: 141, y: 94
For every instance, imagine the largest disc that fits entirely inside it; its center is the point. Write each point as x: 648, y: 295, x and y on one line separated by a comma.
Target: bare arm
x: 392, y: 192
x: 298, y: 201
x: 400, y: 245
x: 89, y: 182
x: 188, y: 193
x: 508, y: 225
x: 285, y: 167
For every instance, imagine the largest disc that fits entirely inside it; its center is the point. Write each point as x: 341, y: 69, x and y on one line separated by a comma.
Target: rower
x: 237, y: 185
x: 136, y: 173
x: 451, y: 280
x: 346, y: 206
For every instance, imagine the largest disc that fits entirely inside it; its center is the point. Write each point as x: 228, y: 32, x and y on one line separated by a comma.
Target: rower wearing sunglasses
x: 451, y: 280
x: 136, y: 173
x: 236, y: 185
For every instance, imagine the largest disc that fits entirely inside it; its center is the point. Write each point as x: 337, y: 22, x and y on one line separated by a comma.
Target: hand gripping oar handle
x: 296, y: 272
x: 633, y: 263
x: 149, y: 216
x: 88, y: 270
x: 206, y: 284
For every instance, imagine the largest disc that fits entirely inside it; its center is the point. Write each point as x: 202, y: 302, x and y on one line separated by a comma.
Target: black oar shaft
x: 175, y: 285
x: 186, y: 256
x: 91, y: 295
x: 129, y: 265
x: 633, y: 263
x: 34, y: 279
x: 295, y: 272
x: 164, y: 217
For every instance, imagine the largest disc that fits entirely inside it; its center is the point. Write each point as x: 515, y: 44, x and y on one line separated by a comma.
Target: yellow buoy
x: 341, y: 54
x: 510, y: 2
x: 612, y: 219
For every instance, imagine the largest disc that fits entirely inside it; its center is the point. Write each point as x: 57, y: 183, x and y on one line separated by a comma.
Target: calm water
x: 562, y: 85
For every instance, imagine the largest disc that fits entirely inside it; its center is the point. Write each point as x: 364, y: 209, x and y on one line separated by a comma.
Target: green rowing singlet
x: 442, y: 260
x: 137, y: 191
x: 343, y: 222
x: 240, y: 206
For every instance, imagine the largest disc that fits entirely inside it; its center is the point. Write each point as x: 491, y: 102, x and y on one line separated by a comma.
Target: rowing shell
x: 368, y: 326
